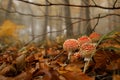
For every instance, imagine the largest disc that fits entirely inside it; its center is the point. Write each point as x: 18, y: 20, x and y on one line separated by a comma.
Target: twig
x: 37, y: 16
x: 72, y: 5
x: 85, y: 2
x: 65, y: 28
x: 49, y: 2
x: 96, y: 23
x: 56, y: 57
x: 37, y: 4
x: 115, y: 3
x: 94, y: 2
x: 117, y: 35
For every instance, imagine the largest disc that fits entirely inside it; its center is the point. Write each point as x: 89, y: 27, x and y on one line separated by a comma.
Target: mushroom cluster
x: 87, y: 47
x: 85, y: 44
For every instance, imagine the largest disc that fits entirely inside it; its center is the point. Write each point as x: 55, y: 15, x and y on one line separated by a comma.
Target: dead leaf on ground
x: 76, y: 76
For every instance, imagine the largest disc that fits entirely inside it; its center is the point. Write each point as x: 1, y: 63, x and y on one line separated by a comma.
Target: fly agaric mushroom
x: 87, y: 50
x: 94, y: 36
x: 84, y: 39
x: 70, y: 45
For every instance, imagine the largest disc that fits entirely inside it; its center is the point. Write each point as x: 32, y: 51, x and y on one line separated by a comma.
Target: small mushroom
x: 94, y: 36
x: 70, y: 45
x: 84, y: 39
x: 87, y: 50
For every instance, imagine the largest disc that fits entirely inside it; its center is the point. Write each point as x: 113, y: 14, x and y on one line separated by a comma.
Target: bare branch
x: 38, y: 36
x: 56, y: 57
x: 37, y: 4
x: 72, y: 5
x: 85, y: 2
x: 94, y: 2
x: 115, y: 3
x: 55, y: 16
x: 48, y: 2
x: 96, y: 23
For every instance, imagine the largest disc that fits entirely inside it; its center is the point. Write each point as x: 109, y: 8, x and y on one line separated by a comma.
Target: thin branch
x: 38, y: 36
x: 55, y: 16
x: 96, y: 23
x: 85, y: 2
x: 94, y: 2
x: 56, y: 57
x: 72, y: 5
x: 37, y: 4
x: 115, y: 3
x: 48, y: 2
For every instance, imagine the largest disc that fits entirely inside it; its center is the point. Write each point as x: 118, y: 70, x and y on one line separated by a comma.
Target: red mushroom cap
x: 87, y: 49
x: 84, y: 39
x: 94, y: 36
x: 70, y: 45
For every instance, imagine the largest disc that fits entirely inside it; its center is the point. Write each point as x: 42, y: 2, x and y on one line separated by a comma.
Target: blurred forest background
x: 47, y: 19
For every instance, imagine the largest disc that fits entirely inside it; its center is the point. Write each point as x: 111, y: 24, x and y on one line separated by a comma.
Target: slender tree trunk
x: 45, y: 29
x: 32, y: 24
x: 32, y: 29
x: 45, y: 22
x: 68, y: 21
x: 114, y: 19
x: 87, y: 13
x: 79, y: 24
x: 50, y: 22
x: 83, y: 24
x: 8, y: 8
x: 59, y: 22
x: 110, y: 17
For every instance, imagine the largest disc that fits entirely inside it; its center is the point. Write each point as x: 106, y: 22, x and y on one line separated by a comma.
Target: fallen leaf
x: 76, y: 76
x: 116, y: 77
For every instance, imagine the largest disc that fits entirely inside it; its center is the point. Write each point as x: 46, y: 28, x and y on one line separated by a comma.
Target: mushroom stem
x: 87, y: 61
x: 69, y: 57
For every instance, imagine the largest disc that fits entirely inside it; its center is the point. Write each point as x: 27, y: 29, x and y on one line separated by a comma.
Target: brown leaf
x: 76, y: 76
x: 114, y: 65
x: 116, y: 77
x: 103, y: 58
x: 73, y: 67
x: 24, y: 76
x: 5, y: 78
x: 55, y: 75
x: 46, y: 75
x: 20, y: 62
x: 9, y: 70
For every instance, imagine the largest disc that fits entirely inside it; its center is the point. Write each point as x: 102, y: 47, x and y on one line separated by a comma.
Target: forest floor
x: 33, y: 62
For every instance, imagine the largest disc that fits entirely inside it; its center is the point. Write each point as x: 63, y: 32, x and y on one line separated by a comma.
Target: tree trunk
x: 8, y: 8
x: 45, y: 22
x: 50, y: 22
x: 68, y: 21
x: 115, y: 19
x: 59, y: 22
x: 32, y: 23
x: 79, y: 24
x: 87, y: 13
x: 110, y: 18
